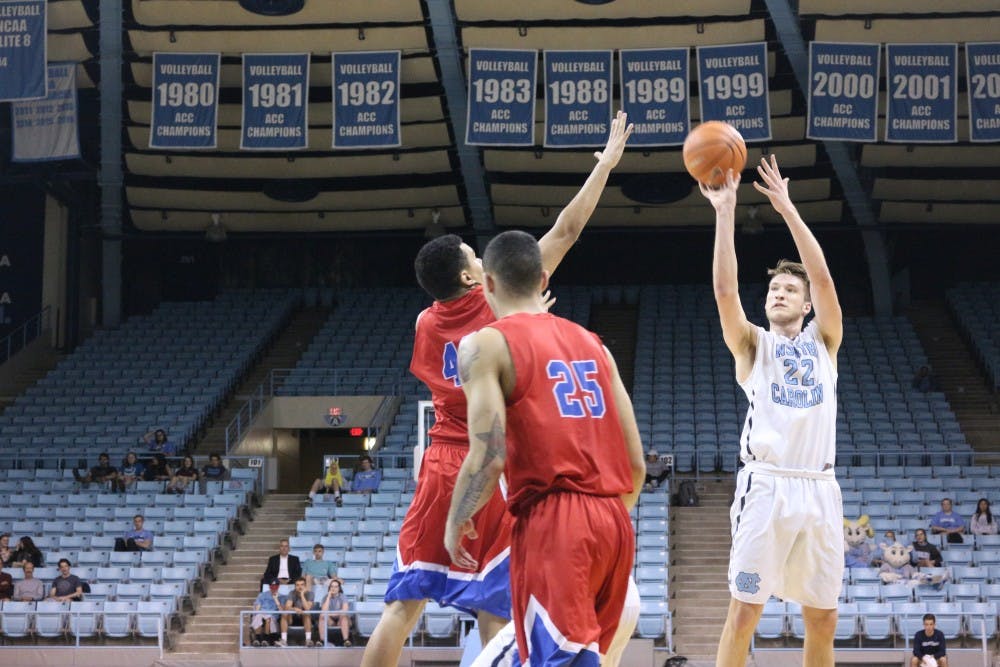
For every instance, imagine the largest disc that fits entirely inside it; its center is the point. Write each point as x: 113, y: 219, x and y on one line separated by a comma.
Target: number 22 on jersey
x: 576, y: 390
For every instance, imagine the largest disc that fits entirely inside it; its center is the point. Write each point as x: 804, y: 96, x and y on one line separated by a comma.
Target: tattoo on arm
x: 496, y: 448
x: 468, y: 354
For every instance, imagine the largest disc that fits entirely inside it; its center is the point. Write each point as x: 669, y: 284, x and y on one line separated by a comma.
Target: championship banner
x: 22, y: 50
x: 733, y: 85
x: 982, y: 61
x: 654, y: 91
x: 843, y: 91
x: 185, y: 100
x: 275, y: 101
x: 47, y: 129
x: 577, y: 98
x: 366, y: 99
x: 922, y: 84
x: 501, y: 105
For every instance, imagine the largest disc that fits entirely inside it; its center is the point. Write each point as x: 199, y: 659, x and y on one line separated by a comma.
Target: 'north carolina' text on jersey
x: 563, y: 430
x: 792, y: 389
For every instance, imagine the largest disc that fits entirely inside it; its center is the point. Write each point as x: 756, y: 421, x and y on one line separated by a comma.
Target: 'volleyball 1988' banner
x: 577, y: 98
x: 185, y: 100
x: 921, y: 84
x: 733, y: 86
x: 843, y: 91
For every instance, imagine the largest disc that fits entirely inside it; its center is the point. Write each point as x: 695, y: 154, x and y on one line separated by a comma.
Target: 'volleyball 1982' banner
x: 366, y: 99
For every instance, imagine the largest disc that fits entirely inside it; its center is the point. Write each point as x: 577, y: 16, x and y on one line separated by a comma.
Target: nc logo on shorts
x: 746, y: 582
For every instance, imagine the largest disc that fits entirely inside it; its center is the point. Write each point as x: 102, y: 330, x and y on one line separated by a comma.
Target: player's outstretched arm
x: 633, y: 443
x: 480, y: 356
x: 823, y: 293
x: 739, y: 334
x: 564, y: 233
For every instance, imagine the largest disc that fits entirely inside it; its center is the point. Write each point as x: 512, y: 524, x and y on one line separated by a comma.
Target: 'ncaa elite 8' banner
x: 366, y: 99
x: 733, y: 85
x: 843, y: 91
x: 185, y: 100
x: 577, y: 98
x: 275, y: 101
x: 22, y: 50
x: 922, y: 84
x: 501, y: 97
x: 982, y: 62
x: 655, y: 95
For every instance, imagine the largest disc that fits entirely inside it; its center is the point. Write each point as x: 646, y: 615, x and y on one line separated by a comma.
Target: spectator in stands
x: 101, y: 473
x: 332, y: 482
x: 982, y: 522
x: 317, y: 570
x: 29, y: 589
x: 336, y: 601
x: 159, y: 443
x: 215, y: 470
x: 6, y: 553
x: 183, y: 476
x: 26, y: 552
x: 948, y: 523
x: 137, y: 539
x: 656, y: 470
x: 131, y: 472
x: 924, y: 553
x: 67, y: 586
x: 6, y: 586
x: 366, y: 477
x: 301, y: 601
x: 929, y: 641
x: 264, y: 624
x: 282, y: 566
x: 157, y: 469
x: 924, y: 380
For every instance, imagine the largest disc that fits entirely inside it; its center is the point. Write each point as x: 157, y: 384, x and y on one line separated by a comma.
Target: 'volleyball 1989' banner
x: 501, y: 97
x: 366, y: 99
x: 655, y: 95
x: 733, y: 87
x: 275, y: 101
x: 185, y: 100
x: 843, y: 91
x: 577, y: 98
x: 983, y: 75
x: 22, y: 50
x: 921, y: 84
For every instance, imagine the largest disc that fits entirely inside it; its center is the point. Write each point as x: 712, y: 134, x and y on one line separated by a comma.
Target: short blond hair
x: 788, y: 267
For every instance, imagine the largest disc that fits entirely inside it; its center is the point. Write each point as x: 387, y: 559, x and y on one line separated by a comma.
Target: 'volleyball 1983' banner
x: 501, y: 105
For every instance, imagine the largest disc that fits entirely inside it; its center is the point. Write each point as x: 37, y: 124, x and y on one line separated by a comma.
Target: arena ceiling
x: 398, y: 189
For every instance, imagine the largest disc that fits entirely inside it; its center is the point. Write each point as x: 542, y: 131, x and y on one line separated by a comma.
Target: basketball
x: 711, y: 149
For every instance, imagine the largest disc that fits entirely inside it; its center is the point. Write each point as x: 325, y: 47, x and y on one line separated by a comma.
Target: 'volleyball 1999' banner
x: 983, y: 75
x: 366, y: 99
x: 501, y: 97
x: 843, y: 91
x: 577, y: 98
x: 733, y: 86
x: 275, y: 101
x: 22, y: 50
x: 655, y: 95
x: 921, y: 84
x: 185, y: 100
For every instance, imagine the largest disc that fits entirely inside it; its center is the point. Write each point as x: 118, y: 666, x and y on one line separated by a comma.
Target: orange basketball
x: 712, y: 148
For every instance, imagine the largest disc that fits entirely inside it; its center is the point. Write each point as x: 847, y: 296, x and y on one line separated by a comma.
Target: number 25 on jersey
x: 576, y: 390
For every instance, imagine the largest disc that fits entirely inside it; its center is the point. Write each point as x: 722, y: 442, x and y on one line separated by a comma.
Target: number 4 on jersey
x: 450, y: 367
x: 576, y: 377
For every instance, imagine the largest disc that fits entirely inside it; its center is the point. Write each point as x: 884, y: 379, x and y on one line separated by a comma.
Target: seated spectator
x: 131, y: 472
x: 101, y: 473
x: 183, y: 476
x: 66, y: 587
x: 137, y: 539
x: 6, y: 586
x: 282, y: 566
x: 6, y: 553
x: 264, y: 624
x: 215, y: 469
x: 929, y: 642
x: 26, y: 552
x: 299, y: 600
x: 656, y: 470
x: 332, y: 482
x: 923, y: 380
x: 336, y: 601
x: 29, y: 589
x: 948, y: 523
x: 157, y: 469
x: 317, y: 570
x: 924, y: 553
x: 982, y: 522
x: 159, y: 443
x: 366, y: 477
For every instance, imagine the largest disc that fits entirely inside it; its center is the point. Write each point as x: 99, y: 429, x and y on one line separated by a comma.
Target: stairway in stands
x: 214, y: 630
x: 616, y: 325
x: 958, y: 375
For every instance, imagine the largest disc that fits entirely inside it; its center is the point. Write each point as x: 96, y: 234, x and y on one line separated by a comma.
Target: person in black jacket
x: 282, y: 566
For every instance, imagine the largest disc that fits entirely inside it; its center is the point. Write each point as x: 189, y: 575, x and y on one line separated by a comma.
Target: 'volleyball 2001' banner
x: 922, y: 87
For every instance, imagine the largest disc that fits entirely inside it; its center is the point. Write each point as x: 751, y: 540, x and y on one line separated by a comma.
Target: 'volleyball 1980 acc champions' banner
x: 843, y: 91
x: 655, y: 95
x: 47, y: 129
x: 733, y: 86
x: 366, y: 99
x: 577, y: 98
x: 983, y: 75
x: 22, y: 50
x: 275, y: 101
x: 185, y: 100
x: 921, y: 84
x: 501, y: 105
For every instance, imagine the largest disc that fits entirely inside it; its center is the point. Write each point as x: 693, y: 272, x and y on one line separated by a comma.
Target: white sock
x: 284, y: 636
x: 309, y: 636
x: 312, y: 494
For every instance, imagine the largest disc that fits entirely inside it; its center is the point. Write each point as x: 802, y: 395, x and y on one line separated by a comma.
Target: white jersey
x: 792, y: 389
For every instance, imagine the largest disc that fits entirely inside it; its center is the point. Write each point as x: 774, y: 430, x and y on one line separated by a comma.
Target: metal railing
x: 19, y: 338
x: 70, y: 626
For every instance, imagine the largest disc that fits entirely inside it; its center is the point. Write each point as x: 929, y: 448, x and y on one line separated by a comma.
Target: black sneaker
x: 76, y: 475
x: 339, y: 501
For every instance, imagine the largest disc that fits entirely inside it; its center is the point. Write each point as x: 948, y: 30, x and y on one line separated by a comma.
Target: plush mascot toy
x: 896, y: 564
x: 858, y: 550
x: 928, y: 661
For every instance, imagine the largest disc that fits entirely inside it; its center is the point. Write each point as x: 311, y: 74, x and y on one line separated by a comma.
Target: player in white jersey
x: 787, y: 517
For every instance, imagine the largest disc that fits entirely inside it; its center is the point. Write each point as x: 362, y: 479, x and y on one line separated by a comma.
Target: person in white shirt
x: 282, y: 566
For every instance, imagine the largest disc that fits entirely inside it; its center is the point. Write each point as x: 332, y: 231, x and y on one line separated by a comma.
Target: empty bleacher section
x: 977, y: 308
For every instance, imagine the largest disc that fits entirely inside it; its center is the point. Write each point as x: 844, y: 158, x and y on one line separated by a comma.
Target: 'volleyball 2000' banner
x: 843, y: 91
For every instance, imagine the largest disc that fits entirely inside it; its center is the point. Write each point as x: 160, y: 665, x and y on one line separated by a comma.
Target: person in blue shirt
x: 264, y: 624
x: 948, y: 523
x: 929, y: 641
x: 130, y: 472
x: 137, y: 539
x: 159, y: 443
x: 367, y: 477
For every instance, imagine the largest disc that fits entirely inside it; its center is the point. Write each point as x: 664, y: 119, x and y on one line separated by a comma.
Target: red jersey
x: 563, y: 430
x: 435, y: 360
